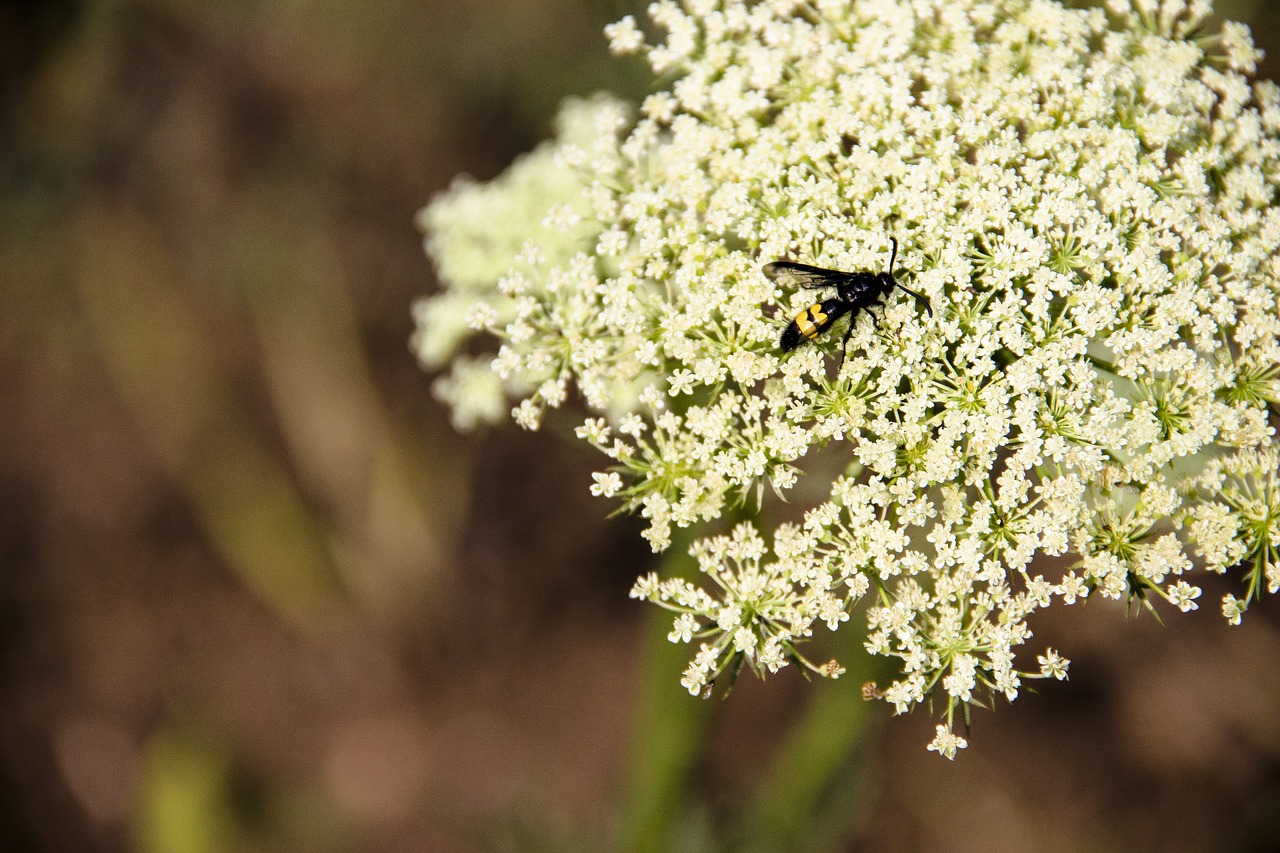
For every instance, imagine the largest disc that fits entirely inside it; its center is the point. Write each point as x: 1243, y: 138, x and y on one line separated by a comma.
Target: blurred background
x: 256, y: 595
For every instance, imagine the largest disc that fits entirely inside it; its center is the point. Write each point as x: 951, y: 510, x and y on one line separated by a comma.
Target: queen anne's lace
x: 1087, y: 199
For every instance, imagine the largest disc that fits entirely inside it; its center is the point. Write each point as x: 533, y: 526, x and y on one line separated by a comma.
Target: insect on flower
x: 855, y: 291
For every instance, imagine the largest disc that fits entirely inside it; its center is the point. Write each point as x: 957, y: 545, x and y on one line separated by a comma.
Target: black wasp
x: 855, y: 291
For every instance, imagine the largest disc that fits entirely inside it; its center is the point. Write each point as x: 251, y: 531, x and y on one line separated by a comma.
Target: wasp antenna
x: 894, y: 241
x: 918, y: 297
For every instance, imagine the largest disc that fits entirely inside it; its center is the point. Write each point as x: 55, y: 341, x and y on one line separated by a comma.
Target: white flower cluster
x: 1087, y: 198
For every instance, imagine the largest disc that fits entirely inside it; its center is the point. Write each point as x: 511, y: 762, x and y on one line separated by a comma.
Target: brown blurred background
x: 256, y: 595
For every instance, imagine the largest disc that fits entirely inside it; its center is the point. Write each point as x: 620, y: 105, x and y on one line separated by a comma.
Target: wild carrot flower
x: 1086, y: 197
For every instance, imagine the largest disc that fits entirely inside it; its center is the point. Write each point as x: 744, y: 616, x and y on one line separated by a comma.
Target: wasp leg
x: 844, y: 343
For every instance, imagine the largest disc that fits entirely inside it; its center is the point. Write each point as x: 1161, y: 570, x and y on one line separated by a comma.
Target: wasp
x: 855, y: 291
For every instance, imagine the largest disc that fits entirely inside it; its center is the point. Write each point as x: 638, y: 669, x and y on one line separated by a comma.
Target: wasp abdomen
x: 805, y: 327
x: 811, y: 322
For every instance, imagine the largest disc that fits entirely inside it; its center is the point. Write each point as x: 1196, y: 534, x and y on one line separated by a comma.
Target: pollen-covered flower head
x: 1085, y: 198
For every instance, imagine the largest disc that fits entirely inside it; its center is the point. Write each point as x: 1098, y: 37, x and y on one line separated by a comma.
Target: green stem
x: 816, y: 790
x: 668, y: 733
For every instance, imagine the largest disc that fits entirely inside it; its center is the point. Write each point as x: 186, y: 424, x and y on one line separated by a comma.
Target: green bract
x: 1087, y: 199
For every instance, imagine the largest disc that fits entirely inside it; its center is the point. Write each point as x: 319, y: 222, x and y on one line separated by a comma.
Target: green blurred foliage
x: 236, y: 491
x: 184, y: 806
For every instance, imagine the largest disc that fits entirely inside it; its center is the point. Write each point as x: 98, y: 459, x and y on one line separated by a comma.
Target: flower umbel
x: 1085, y: 197
x: 756, y: 617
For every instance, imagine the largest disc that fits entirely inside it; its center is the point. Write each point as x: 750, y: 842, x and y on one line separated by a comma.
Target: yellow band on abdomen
x: 810, y: 321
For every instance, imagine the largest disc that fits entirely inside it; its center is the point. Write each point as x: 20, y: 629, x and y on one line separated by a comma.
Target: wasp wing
x: 792, y: 274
